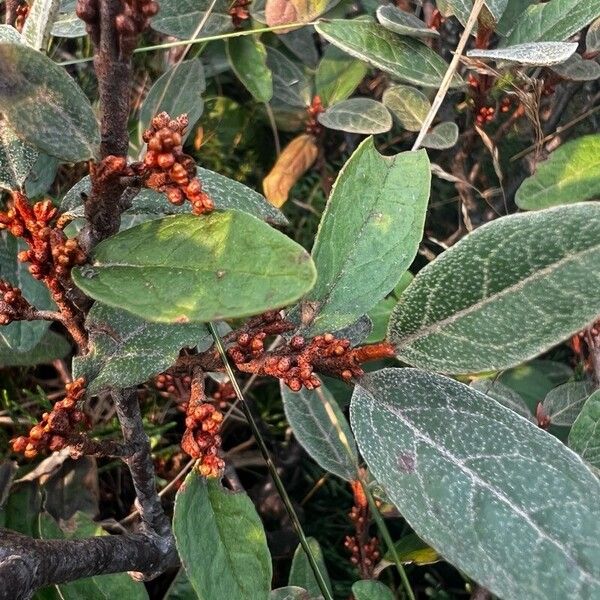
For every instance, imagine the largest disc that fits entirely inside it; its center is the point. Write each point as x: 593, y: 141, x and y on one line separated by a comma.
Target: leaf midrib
x: 540, y: 274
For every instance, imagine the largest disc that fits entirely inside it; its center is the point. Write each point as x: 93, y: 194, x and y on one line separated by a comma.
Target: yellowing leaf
x: 297, y: 157
x: 282, y: 12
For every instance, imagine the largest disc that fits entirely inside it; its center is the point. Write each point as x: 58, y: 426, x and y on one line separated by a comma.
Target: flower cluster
x: 239, y: 12
x: 166, y: 167
x: 57, y: 428
x: 13, y: 306
x: 50, y: 252
x: 22, y: 14
x: 363, y: 549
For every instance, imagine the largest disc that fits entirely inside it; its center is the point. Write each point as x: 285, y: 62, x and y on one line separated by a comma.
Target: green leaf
x: 49, y: 348
x: 21, y: 509
x: 181, y: 18
x: 483, y: 486
x: 592, y: 37
x: 127, y: 351
x: 301, y: 574
x: 369, y: 233
x: 226, y: 193
x: 357, y: 115
x: 338, y: 75
x: 322, y: 430
x: 571, y: 174
x: 553, y: 21
x: 539, y: 54
x: 411, y: 549
x: 290, y: 592
x: 99, y: 587
x: 291, y: 87
x: 184, y: 268
x: 443, y: 136
x: 404, y: 23
x: 41, y: 176
x: 221, y: 542
x: 16, y: 158
x: 371, y: 590
x: 21, y: 336
x: 45, y: 106
x: 177, y: 91
x: 36, y: 31
x: 578, y: 69
x: 248, y: 59
x: 584, y: 437
x: 401, y: 57
x: 504, y: 395
x: 564, y: 403
x: 453, y: 317
x: 496, y: 8
x: 67, y: 24
x: 408, y: 104
x: 9, y: 34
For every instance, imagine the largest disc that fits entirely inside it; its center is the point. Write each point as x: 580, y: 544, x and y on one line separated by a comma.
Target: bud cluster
x: 166, y: 167
x: 363, y: 549
x: 22, y: 14
x: 13, y: 306
x: 239, y: 12
x: 315, y: 108
x: 55, y: 430
x: 51, y: 254
x: 201, y: 439
x: 129, y: 23
x: 296, y: 362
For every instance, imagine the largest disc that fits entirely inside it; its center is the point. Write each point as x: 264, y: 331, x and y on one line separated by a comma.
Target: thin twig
x: 447, y: 80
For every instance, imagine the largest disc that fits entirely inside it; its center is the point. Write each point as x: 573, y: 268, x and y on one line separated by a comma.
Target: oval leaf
x: 186, y: 268
x: 442, y: 136
x: 67, y: 24
x: 404, y: 23
x: 338, y: 75
x: 45, y: 106
x: 578, y: 69
x: 540, y: 268
x: 481, y: 485
x: 177, y: 91
x: 504, y: 395
x: 571, y: 174
x: 221, y: 542
x: 357, y: 115
x: 564, y: 403
x: 408, y: 104
x: 322, y: 430
x: 369, y: 234
x: 291, y: 88
x: 402, y: 57
x: 301, y: 574
x: 248, y: 59
x: 127, y: 350
x: 540, y: 54
x: 584, y: 437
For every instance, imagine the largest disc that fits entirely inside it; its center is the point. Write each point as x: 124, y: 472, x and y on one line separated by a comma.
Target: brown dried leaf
x: 297, y: 157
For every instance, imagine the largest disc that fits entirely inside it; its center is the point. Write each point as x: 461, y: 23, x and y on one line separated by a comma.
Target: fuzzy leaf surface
x: 36, y: 31
x: 221, y: 542
x: 564, y: 403
x: 404, y: 23
x: 369, y: 233
x: 322, y: 429
x: 357, y: 115
x: 452, y: 318
x: 181, y: 18
x: 184, y: 268
x: 401, y: 57
x: 44, y: 106
x: 408, y: 104
x: 483, y: 486
x: 127, y: 350
x: 540, y: 54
